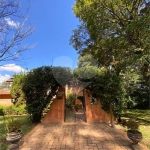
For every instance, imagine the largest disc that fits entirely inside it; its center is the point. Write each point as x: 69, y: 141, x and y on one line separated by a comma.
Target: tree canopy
x: 113, y: 32
x: 116, y: 33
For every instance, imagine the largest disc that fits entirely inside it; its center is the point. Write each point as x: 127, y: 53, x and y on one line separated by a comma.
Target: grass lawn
x: 143, y: 117
x: 26, y: 126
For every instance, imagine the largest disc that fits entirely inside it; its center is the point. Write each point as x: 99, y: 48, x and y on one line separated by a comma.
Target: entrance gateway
x: 86, y: 109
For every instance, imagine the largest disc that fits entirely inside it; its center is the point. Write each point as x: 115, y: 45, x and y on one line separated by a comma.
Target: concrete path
x: 77, y: 136
x: 79, y: 117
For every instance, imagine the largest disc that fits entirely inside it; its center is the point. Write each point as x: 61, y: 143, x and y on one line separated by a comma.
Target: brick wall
x: 56, y: 112
x: 5, y: 96
x: 94, y: 112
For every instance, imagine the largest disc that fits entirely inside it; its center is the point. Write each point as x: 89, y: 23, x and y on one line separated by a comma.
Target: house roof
x: 3, y: 92
x: 10, y: 80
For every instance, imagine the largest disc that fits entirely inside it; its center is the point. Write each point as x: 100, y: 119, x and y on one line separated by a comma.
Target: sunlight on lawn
x: 143, y: 117
x: 25, y: 127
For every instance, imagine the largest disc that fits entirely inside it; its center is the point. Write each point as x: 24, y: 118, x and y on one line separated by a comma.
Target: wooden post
x: 111, y: 115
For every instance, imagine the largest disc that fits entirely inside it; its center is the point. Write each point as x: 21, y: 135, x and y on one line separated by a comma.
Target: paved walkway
x: 77, y: 136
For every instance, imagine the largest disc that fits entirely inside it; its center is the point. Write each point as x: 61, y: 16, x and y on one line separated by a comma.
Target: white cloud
x: 11, y: 23
x: 12, y: 68
x: 4, y: 78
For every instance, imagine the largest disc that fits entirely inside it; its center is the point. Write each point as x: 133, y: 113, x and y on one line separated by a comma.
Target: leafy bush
x: 16, y: 89
x: 14, y: 110
x: 132, y: 125
x: 10, y: 110
x: 2, y: 110
x: 71, y: 99
x: 14, y: 126
x: 40, y: 85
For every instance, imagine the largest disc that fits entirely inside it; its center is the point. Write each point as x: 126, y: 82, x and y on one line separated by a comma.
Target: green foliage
x: 136, y: 88
x: 26, y: 126
x: 2, y: 110
x: 106, y: 84
x: 132, y: 125
x: 116, y: 35
x: 71, y: 99
x: 16, y: 89
x: 85, y: 73
x: 114, y: 32
x: 142, y: 116
x: 40, y: 85
x: 62, y: 75
x: 86, y: 60
x: 15, y: 110
x: 108, y: 87
x: 14, y: 125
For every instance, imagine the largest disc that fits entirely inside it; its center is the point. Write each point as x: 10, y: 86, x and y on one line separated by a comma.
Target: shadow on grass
x: 141, y: 121
x: 142, y: 116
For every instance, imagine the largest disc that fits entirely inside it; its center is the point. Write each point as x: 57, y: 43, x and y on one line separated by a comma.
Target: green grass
x: 26, y: 126
x: 143, y: 117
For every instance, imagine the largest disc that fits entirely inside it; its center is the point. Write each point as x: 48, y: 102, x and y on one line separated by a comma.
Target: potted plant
x: 132, y: 132
x: 14, y: 133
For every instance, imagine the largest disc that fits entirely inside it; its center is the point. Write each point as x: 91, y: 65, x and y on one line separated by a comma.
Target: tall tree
x: 18, y: 97
x: 114, y: 31
x: 86, y: 60
x: 13, y: 30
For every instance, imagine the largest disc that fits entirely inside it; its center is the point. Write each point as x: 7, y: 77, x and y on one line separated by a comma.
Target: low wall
x: 5, y: 102
x: 56, y: 112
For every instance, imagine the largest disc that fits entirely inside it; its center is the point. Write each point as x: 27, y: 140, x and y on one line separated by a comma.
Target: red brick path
x: 77, y: 136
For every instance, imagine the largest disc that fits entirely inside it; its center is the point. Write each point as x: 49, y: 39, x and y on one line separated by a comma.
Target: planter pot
x: 135, y: 136
x: 13, y: 137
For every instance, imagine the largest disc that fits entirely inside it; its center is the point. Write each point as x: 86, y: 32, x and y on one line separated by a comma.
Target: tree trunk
x: 111, y: 116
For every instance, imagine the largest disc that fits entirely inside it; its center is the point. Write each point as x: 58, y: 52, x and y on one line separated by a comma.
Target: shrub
x: 16, y: 89
x: 10, y: 110
x: 132, y: 125
x: 2, y: 110
x: 13, y: 126
x: 14, y: 110
x: 40, y: 85
x: 71, y: 99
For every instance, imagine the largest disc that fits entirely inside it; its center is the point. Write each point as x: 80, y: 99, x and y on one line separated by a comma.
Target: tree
x: 40, y: 85
x: 87, y: 68
x: 137, y: 89
x: 13, y: 30
x: 103, y: 83
x: 86, y: 60
x: 70, y: 101
x: 18, y: 97
x: 116, y: 33
x: 113, y: 31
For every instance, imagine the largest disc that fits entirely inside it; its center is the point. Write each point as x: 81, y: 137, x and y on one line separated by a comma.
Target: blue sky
x: 54, y: 21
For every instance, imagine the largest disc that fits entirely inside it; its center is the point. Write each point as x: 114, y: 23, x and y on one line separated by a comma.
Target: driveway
x: 77, y: 136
